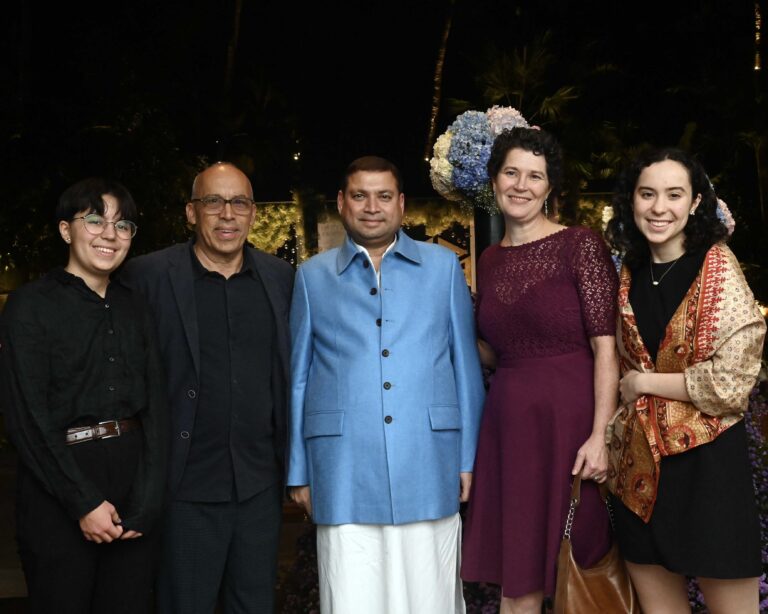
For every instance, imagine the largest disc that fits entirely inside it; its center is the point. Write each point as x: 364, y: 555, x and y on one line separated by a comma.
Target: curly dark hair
x: 538, y: 142
x: 702, y: 230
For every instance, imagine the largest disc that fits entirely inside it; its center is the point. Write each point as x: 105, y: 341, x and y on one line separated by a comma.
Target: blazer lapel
x: 182, y: 281
x: 275, y: 302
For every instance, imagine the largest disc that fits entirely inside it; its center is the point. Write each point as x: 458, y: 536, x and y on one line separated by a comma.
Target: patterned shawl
x: 715, y: 338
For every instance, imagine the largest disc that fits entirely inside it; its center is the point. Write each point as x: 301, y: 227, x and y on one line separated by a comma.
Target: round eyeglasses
x: 95, y: 225
x: 213, y: 204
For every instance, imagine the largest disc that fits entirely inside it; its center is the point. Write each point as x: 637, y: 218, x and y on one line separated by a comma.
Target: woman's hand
x: 629, y: 386
x: 487, y: 355
x: 592, y: 459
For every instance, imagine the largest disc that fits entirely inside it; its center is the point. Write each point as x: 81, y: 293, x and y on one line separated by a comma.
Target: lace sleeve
x: 597, y: 283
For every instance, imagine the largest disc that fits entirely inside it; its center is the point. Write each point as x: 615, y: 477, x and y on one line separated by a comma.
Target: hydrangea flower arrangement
x: 460, y: 155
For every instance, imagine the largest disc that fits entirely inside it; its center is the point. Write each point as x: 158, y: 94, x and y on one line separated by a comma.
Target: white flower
x: 607, y: 215
x: 504, y: 118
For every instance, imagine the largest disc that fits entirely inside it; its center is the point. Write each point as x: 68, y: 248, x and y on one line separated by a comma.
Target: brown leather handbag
x: 604, y: 588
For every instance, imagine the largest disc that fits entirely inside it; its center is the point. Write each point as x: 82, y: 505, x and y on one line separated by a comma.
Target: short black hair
x: 539, y: 143
x: 371, y: 164
x: 702, y: 230
x: 86, y: 195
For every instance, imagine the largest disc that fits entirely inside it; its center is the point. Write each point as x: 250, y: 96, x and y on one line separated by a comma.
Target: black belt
x: 102, y: 430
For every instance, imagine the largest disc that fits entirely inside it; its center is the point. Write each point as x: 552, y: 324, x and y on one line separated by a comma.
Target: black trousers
x: 67, y: 574
x: 226, y: 550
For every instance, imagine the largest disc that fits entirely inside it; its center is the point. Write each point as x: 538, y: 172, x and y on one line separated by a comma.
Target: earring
x: 546, y: 207
x: 692, y: 212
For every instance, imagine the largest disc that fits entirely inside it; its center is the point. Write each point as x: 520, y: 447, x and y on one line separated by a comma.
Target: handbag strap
x: 576, y: 499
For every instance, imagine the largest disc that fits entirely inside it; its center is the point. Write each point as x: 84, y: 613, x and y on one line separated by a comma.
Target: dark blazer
x: 166, y: 278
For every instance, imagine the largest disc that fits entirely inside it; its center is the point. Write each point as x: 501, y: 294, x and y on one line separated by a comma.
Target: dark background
x: 146, y: 92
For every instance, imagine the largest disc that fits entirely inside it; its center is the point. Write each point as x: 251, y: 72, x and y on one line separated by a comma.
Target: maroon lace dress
x: 538, y: 305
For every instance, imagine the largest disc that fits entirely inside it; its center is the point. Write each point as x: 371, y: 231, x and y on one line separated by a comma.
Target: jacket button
x: 111, y: 388
x: 366, y: 264
x: 387, y: 385
x: 191, y: 394
x: 184, y: 434
x: 385, y: 353
x: 388, y: 419
x: 373, y: 291
x: 378, y: 321
x: 111, y: 359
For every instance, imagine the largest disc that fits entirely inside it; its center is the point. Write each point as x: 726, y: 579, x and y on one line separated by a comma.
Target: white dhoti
x: 391, y: 569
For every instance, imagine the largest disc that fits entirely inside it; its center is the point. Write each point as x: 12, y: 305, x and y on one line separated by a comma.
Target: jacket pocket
x: 323, y: 424
x: 444, y: 417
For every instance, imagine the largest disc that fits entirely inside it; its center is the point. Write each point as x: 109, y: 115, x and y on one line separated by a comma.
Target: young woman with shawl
x: 690, y: 337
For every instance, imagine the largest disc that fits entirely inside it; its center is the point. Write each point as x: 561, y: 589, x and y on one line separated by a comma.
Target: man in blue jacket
x: 386, y: 401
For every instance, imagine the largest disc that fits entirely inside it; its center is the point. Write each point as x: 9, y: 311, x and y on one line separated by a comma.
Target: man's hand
x: 466, y: 485
x: 101, y: 525
x: 302, y: 497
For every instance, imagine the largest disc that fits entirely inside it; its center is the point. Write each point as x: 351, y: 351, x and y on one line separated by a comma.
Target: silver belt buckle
x: 117, y: 428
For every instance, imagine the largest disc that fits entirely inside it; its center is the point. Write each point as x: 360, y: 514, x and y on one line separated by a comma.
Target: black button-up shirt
x: 232, y: 450
x: 71, y: 358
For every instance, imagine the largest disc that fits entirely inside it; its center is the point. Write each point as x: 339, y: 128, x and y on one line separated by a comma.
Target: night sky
x: 136, y: 90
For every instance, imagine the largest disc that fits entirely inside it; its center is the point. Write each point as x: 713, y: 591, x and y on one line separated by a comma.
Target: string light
x: 758, y: 27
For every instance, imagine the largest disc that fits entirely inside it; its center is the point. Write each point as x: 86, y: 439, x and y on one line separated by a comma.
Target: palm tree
x: 755, y: 142
x: 437, y: 89
x: 522, y: 79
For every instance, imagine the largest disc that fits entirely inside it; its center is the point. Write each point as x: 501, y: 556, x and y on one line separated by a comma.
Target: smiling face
x: 661, y: 204
x: 220, y: 236
x: 371, y: 208
x: 522, y: 185
x: 93, y: 257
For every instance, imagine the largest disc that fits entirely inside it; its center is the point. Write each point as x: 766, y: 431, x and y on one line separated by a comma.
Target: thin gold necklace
x: 656, y: 282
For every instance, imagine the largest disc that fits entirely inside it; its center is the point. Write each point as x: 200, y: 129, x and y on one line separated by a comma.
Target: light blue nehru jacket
x: 387, y: 391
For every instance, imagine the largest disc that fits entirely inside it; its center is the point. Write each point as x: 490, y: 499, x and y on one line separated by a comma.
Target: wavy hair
x: 702, y: 230
x: 539, y: 143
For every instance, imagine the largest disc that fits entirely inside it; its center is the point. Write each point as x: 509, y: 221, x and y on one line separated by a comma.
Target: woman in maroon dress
x: 546, y: 319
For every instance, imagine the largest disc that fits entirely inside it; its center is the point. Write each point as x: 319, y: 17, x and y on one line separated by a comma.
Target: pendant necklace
x: 656, y: 282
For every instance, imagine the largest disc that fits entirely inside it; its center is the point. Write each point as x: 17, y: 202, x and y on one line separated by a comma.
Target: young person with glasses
x: 84, y: 401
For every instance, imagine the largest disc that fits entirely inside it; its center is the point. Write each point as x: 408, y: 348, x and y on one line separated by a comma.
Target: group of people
x: 160, y: 408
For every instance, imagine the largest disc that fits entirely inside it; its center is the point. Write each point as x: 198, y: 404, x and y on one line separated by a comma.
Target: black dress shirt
x: 71, y: 358
x: 232, y: 452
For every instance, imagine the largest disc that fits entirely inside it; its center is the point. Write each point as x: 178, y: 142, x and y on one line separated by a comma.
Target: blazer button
x: 184, y: 434
x: 378, y: 321
x: 191, y: 394
x: 385, y: 353
x: 373, y: 291
x: 387, y: 385
x: 388, y: 419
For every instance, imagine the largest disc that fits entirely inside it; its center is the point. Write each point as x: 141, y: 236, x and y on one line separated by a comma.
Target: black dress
x: 705, y: 520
